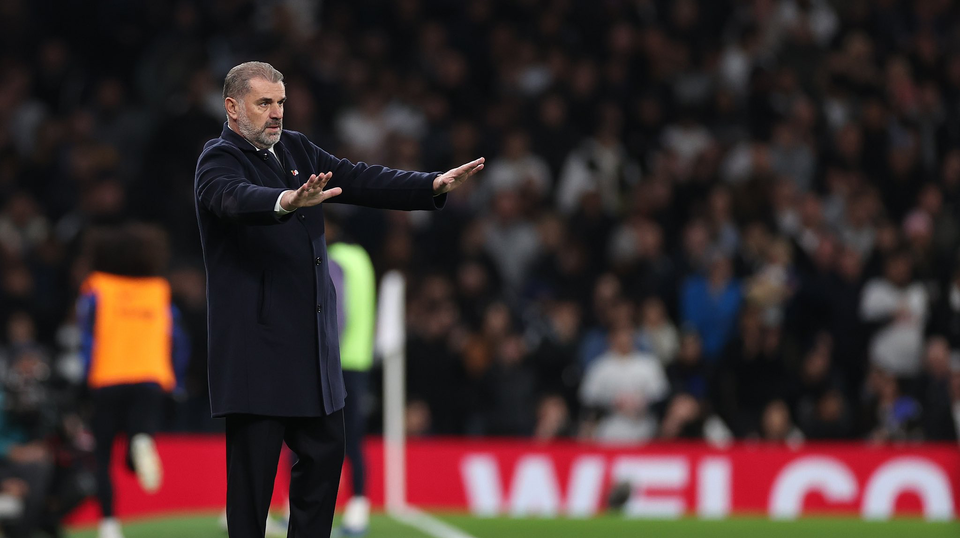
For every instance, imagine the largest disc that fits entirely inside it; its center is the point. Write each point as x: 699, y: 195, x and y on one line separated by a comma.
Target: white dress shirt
x: 277, y: 208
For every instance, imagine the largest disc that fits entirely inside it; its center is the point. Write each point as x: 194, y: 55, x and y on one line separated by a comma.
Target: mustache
x: 273, y: 124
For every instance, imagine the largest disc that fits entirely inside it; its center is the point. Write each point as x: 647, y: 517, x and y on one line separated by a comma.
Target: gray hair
x: 237, y: 83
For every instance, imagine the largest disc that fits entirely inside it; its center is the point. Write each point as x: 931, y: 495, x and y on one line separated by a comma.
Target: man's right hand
x: 310, y: 193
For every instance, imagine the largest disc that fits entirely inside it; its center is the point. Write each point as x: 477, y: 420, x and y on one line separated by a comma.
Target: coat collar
x: 287, y: 174
x: 230, y: 136
x: 234, y: 138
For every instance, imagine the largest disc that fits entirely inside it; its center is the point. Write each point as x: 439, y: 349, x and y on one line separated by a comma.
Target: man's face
x: 260, y: 112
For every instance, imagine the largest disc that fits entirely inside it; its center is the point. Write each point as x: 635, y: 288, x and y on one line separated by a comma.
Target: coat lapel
x: 283, y: 173
x: 291, y: 176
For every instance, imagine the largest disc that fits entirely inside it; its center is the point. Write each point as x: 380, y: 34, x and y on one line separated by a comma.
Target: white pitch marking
x: 427, y: 523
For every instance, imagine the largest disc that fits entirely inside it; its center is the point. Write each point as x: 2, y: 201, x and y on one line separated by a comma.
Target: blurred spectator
x: 776, y: 424
x: 518, y: 169
x: 822, y: 411
x: 934, y: 391
x: 621, y: 388
x: 561, y: 267
x: 478, y: 278
x: 918, y: 236
x: 738, y: 60
x: 118, y: 123
x: 897, y: 306
x: 791, y: 156
x: 418, y: 420
x: 831, y: 418
x: 773, y: 284
x: 687, y: 140
x: 726, y: 236
x: 946, y: 227
x: 615, y: 313
x: 434, y: 375
x: 553, y: 419
x: 710, y: 304
x: 637, y: 257
x: 858, y: 231
x: 945, y: 312
x: 891, y: 415
x: 24, y: 421
x: 839, y: 308
x: 44, y: 449
x: 600, y: 165
x: 751, y: 373
x: 688, y: 374
x: 365, y: 127
x: 555, y: 358
x: 509, y: 395
x: 511, y: 239
x: 22, y: 225
x: 553, y: 137
x: 657, y: 331
x: 683, y: 418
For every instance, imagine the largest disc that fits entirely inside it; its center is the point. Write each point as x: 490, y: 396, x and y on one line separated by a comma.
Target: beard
x: 259, y: 137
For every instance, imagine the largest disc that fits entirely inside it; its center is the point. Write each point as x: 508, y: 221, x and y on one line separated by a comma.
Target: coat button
x: 302, y: 216
x: 319, y: 308
x: 319, y: 261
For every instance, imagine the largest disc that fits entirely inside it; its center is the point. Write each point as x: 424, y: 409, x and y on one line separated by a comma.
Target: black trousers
x: 355, y: 423
x: 131, y: 409
x: 253, y: 452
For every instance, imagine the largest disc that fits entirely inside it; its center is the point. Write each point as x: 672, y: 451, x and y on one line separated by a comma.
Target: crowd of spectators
x: 723, y: 219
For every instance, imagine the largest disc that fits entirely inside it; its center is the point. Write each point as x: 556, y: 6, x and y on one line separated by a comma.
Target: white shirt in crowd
x: 612, y: 376
x: 898, y: 346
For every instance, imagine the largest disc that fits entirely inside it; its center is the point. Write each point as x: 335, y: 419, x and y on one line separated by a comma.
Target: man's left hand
x: 453, y: 178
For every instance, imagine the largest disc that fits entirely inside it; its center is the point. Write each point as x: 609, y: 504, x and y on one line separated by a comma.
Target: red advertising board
x: 523, y: 478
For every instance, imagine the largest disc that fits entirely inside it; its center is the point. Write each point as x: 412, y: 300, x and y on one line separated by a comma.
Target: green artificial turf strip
x: 605, y: 527
x: 207, y: 526
x: 192, y: 526
x: 618, y: 527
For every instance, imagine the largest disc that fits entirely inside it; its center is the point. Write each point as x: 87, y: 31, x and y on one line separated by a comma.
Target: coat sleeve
x: 222, y: 189
x: 378, y: 186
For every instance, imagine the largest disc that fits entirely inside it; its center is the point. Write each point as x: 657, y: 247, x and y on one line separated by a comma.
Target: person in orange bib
x: 134, y: 352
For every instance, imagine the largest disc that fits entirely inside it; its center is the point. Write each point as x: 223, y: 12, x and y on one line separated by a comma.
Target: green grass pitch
x: 605, y: 527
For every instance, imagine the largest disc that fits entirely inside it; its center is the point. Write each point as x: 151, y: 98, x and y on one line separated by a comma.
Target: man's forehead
x: 262, y: 88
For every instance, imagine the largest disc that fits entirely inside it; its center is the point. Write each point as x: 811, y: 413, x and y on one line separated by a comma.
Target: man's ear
x: 232, y: 107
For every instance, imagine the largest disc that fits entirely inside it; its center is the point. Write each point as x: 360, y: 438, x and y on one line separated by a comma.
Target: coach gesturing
x: 274, y: 360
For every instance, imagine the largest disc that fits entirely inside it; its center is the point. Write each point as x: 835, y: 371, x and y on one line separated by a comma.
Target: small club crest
x: 294, y: 172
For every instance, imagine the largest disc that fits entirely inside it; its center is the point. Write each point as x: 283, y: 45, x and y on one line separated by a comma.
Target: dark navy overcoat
x: 272, y: 315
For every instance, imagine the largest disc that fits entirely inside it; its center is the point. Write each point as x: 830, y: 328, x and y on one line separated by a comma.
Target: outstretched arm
x: 386, y: 188
x: 312, y: 193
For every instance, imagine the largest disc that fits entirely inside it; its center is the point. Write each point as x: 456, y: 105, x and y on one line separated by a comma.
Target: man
x: 355, y: 281
x: 134, y: 350
x: 26, y: 461
x: 622, y: 386
x: 274, y: 359
x: 895, y: 305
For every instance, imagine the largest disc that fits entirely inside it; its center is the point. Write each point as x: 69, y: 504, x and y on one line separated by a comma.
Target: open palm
x: 453, y: 178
